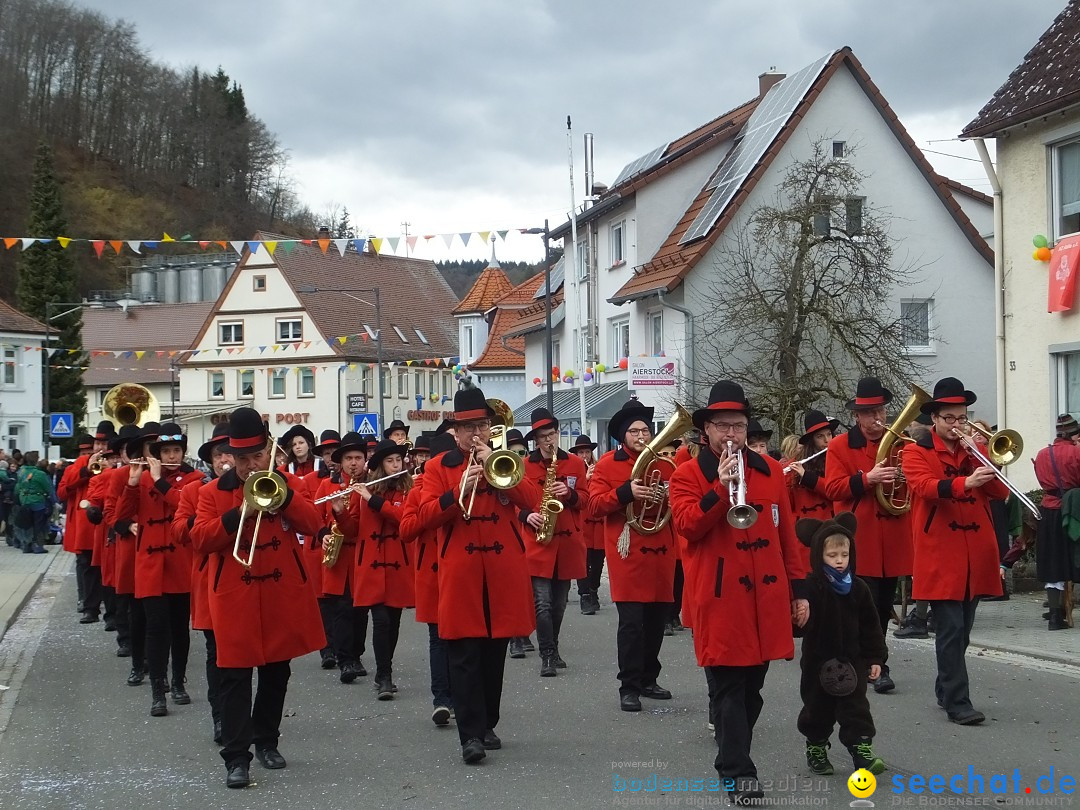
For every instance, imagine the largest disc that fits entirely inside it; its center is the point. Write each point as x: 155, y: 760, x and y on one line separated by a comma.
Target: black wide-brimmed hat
x: 513, y: 436
x: 948, y: 391
x: 220, y: 436
x: 168, y: 433
x: 86, y: 442
x: 470, y: 405
x: 584, y: 441
x: 442, y: 443
x: 105, y: 430
x: 328, y: 440
x: 724, y: 396
x: 632, y: 411
x: 1066, y: 426
x: 296, y: 430
x: 350, y: 441
x: 147, y: 432
x: 869, y: 393
x: 397, y: 424
x: 813, y: 421
x: 387, y: 447
x: 541, y: 418
x: 422, y: 442
x: 754, y: 428
x: 247, y: 432
x: 121, y: 439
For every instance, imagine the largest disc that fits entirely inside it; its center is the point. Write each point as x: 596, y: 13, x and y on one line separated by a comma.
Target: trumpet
x: 1003, y: 444
x: 264, y: 491
x: 349, y: 488
x: 741, y: 515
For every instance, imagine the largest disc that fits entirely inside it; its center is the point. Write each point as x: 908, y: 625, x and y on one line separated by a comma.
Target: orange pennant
x: 117, y: 245
x: 10, y: 242
x: 324, y: 244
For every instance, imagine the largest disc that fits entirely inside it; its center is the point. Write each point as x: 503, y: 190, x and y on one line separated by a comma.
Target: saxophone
x: 336, y: 540
x: 550, y: 506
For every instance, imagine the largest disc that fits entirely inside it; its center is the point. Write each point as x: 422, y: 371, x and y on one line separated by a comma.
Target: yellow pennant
x: 270, y: 246
x: 64, y: 241
x: 377, y: 243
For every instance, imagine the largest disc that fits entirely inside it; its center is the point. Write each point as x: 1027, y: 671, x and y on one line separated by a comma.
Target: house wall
x: 21, y: 420
x: 479, y: 328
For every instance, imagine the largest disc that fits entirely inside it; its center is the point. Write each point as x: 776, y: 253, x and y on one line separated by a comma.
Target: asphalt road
x: 78, y: 737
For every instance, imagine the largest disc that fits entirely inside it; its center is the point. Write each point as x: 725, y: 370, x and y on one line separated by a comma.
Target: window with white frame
x: 618, y: 242
x: 1069, y: 383
x: 402, y: 383
x: 16, y: 434
x: 839, y: 150
x: 620, y: 340
x: 1066, y: 170
x: 230, y: 333
x: 290, y: 330
x: 276, y: 384
x: 11, y: 367
x: 418, y: 383
x: 444, y: 379
x: 654, y: 332
x: 217, y: 385
x: 467, y: 342
x: 582, y: 259
x: 245, y: 383
x: 365, y: 381
x: 306, y: 382
x: 556, y: 354
x: 399, y: 333
x: 917, y: 324
x: 384, y: 382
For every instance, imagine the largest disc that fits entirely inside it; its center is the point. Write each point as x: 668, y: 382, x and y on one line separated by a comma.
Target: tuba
x: 130, y: 404
x: 895, y: 498
x: 653, y: 515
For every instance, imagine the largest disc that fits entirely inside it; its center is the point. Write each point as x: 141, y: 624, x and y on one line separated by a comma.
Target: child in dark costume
x: 843, y: 645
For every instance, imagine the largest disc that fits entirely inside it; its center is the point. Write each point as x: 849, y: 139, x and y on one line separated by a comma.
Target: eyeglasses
x: 639, y: 431
x: 474, y: 427
x: 666, y: 454
x: 522, y: 453
x: 724, y: 427
x: 953, y: 420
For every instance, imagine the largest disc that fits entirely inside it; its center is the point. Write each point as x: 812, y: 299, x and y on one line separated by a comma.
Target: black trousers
x: 821, y: 711
x: 735, y: 705
x: 594, y: 567
x: 128, y: 605
x: 88, y: 581
x: 348, y: 629
x: 953, y: 621
x: 326, y: 613
x: 549, y: 602
x: 108, y: 602
x: 244, y: 723
x: 213, y: 676
x: 167, y: 631
x: 385, y: 627
x: 439, y: 663
x: 640, y: 636
x: 676, y: 605
x: 122, y: 618
x: 476, y: 682
x: 883, y: 589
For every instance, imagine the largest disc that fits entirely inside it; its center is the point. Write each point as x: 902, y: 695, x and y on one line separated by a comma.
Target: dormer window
x: 400, y: 334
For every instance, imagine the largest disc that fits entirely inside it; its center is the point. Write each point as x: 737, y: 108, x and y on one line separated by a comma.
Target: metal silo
x: 142, y: 285
x: 168, y: 285
x: 191, y: 284
x: 213, y: 281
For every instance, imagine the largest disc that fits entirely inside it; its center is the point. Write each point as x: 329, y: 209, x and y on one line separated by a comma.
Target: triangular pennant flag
x: 377, y: 243
x: 117, y: 245
x: 364, y: 335
x: 10, y: 242
x: 262, y: 349
x: 135, y: 245
x: 222, y: 243
x: 465, y: 238
x: 99, y: 245
x: 128, y: 355
x: 204, y: 244
x: 502, y: 234
x: 352, y: 366
x: 27, y: 242
x: 394, y: 242
x: 391, y: 364
x: 253, y: 245
x: 196, y: 352
x: 219, y: 352
x: 166, y: 238
x: 237, y: 246
x: 342, y: 339
x: 276, y: 346
x: 410, y: 241
x: 159, y: 354
x: 139, y: 354
x: 446, y: 361
x: 270, y: 246
x: 324, y: 244
x: 448, y: 238
x: 150, y: 245
x: 341, y: 245
x: 64, y: 241
x: 230, y: 351
x: 359, y: 244
x: 427, y: 362
x: 485, y: 235
x: 288, y: 245
x: 428, y: 237
x: 409, y: 362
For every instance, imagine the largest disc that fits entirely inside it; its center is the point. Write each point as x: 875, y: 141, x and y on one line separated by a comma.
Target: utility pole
x: 406, y: 225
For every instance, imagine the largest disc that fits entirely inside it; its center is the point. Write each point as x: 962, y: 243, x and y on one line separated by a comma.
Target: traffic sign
x: 61, y: 425
x: 366, y: 424
x: 357, y: 403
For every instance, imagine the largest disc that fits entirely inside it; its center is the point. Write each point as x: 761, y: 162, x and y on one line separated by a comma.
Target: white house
x: 647, y: 245
x: 21, y: 416
x: 296, y: 335
x: 1035, y: 122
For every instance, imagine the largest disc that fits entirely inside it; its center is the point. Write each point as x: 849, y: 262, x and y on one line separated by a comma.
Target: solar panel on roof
x: 643, y: 163
x: 759, y: 133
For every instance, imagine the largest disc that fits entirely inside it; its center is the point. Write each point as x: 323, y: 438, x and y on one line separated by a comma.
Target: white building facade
x: 21, y: 391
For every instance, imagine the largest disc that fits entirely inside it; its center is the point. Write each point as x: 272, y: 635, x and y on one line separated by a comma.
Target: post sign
x: 648, y: 372
x: 61, y: 425
x: 357, y: 403
x: 366, y: 424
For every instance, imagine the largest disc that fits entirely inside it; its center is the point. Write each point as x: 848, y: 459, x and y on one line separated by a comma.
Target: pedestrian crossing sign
x: 61, y: 425
x: 366, y: 424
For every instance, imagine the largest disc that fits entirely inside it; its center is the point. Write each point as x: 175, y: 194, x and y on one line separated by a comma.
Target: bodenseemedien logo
x: 862, y: 785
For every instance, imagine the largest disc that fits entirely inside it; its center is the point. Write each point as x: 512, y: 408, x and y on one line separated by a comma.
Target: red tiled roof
x: 1047, y: 80
x: 968, y: 191
x: 12, y: 320
x: 488, y: 288
x: 498, y: 354
x: 672, y: 261
x: 516, y: 313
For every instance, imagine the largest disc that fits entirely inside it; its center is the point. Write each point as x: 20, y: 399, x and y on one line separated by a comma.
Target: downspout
x: 688, y: 316
x: 999, y: 277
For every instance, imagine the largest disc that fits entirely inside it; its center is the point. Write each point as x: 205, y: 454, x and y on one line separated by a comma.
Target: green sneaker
x: 817, y: 758
x: 862, y: 756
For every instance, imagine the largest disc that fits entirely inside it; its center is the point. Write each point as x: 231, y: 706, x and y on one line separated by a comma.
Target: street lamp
x: 547, y: 315
x: 375, y: 291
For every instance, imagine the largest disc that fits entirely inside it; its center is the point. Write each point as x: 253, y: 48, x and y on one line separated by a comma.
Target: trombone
x: 1004, y: 447
x: 503, y: 469
x: 741, y: 515
x: 264, y: 491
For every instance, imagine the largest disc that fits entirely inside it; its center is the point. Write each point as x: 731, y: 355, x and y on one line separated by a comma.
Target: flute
x: 142, y: 462
x: 349, y: 489
x: 787, y: 469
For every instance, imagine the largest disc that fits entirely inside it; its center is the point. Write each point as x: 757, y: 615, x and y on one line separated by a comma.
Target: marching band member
x: 313, y: 482
x: 745, y: 583
x: 421, y: 451
x: 593, y: 532
x: 642, y: 577
x: 882, y: 540
x: 263, y: 615
x: 162, y: 566
x: 515, y: 443
x: 809, y: 498
x: 299, y: 443
x: 382, y: 579
x: 78, y: 531
x: 129, y: 610
x: 397, y: 432
x: 562, y: 557
x: 956, y: 556
x: 104, y: 550
x: 484, y: 593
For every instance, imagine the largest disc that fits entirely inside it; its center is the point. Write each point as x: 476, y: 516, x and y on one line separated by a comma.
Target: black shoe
x: 329, y: 661
x: 491, y: 740
x: 967, y: 717
x: 158, y: 707
x: 37, y: 548
x: 655, y: 692
x: 817, y: 758
x: 547, y: 667
x: 678, y: 626
x: 110, y: 626
x: 123, y: 651
x: 237, y: 776
x: 217, y: 732
x: 1057, y: 620
x: 517, y: 648
x: 348, y: 672
x: 630, y: 703
x: 179, y: 695
x: 473, y: 751
x: 912, y: 627
x: 527, y: 644
x: 862, y: 756
x: 136, y: 676
x: 441, y: 716
x: 559, y: 663
x: 384, y: 687
x: 588, y: 604
x: 669, y: 629
x: 747, y: 791
x: 360, y: 671
x: 270, y: 758
x: 884, y: 683
x: 79, y: 607
x: 89, y: 617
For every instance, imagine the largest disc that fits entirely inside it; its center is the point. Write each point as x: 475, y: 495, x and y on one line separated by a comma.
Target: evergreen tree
x: 47, y: 273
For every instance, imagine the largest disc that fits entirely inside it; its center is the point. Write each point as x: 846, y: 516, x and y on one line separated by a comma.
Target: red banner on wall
x: 1063, y: 271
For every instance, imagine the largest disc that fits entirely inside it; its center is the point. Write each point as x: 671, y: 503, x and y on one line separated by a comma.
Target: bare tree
x: 802, y: 292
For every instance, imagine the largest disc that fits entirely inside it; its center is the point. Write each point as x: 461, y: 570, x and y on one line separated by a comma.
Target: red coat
x: 882, y: 540
x: 648, y: 574
x: 267, y: 613
x: 383, y: 572
x: 314, y: 484
x: 183, y: 520
x: 809, y: 499
x: 78, y: 530
x: 426, y: 581
x: 335, y: 581
x: 565, y: 554
x: 123, y: 537
x: 741, y: 581
x: 481, y: 556
x: 95, y: 494
x: 956, y: 552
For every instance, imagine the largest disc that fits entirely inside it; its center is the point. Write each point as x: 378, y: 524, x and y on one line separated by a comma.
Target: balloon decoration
x: 537, y: 381
x: 600, y: 367
x: 555, y: 371
x: 570, y: 373
x: 587, y: 376
x: 1040, y: 241
x: 1042, y: 248
x: 568, y: 379
x: 624, y: 363
x: 434, y: 397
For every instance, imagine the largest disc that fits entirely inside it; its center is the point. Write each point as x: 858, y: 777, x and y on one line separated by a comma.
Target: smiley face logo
x: 862, y: 784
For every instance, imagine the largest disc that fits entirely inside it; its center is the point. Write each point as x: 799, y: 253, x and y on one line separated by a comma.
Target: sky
x: 451, y: 116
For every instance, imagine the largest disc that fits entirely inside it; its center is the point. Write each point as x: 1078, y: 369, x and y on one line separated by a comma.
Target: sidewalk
x: 20, y: 575
x: 1017, y: 626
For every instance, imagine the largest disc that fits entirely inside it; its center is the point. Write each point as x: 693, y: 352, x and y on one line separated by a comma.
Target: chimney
x: 324, y: 232
x: 767, y: 80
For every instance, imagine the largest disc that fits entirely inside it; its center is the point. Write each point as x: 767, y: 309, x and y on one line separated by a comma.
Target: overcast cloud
x: 451, y: 115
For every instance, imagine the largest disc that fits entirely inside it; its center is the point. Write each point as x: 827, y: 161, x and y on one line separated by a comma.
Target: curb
x: 1069, y: 661
x: 31, y: 590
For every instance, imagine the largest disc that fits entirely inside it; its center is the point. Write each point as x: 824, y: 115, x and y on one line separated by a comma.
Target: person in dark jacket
x: 34, y: 493
x: 843, y: 645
